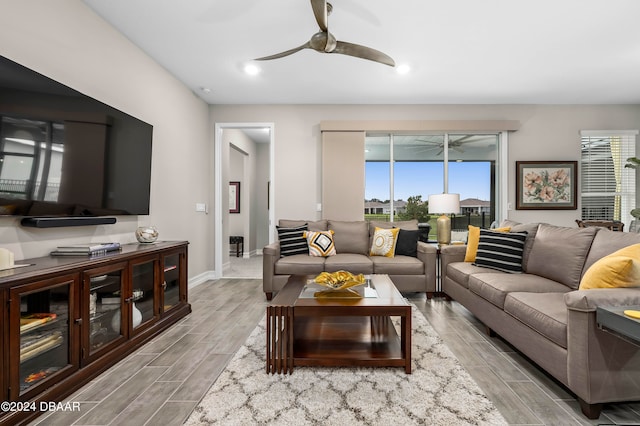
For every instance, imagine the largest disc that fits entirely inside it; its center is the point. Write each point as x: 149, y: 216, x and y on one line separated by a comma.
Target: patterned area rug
x: 438, y: 392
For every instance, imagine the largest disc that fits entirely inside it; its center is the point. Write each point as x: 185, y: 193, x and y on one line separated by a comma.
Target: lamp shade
x: 444, y: 203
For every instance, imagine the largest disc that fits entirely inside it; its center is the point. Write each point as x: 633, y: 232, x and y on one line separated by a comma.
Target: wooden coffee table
x: 303, y: 330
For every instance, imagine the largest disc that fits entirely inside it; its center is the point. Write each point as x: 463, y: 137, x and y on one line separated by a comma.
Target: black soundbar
x: 56, y: 222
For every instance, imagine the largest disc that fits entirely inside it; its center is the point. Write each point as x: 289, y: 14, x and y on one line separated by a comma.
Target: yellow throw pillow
x: 474, y: 239
x: 619, y: 269
x: 384, y: 242
x: 320, y: 243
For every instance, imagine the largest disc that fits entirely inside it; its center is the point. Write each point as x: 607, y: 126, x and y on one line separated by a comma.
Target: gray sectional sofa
x: 352, y: 241
x: 543, y: 313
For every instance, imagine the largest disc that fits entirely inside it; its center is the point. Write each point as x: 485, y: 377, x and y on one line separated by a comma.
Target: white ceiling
x: 459, y: 51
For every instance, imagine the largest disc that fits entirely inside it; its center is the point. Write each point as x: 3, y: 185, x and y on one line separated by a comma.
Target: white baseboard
x: 203, y: 277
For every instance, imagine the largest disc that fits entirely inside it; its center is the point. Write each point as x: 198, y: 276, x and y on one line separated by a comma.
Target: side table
x: 438, y: 268
x: 613, y: 320
x: 239, y: 242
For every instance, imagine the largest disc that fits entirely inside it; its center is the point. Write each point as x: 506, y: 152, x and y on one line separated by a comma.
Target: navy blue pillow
x: 407, y: 244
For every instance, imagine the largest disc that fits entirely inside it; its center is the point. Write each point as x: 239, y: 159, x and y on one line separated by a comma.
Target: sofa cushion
x: 292, y: 240
x: 398, y: 265
x: 461, y: 271
x: 531, y: 229
x: 299, y: 264
x: 354, y: 263
x: 559, y: 253
x: 319, y: 225
x: 350, y: 237
x: 494, y: 287
x: 407, y: 244
x: 546, y: 313
x: 606, y: 242
x: 501, y: 250
x: 384, y: 242
x: 619, y: 269
x: 320, y: 243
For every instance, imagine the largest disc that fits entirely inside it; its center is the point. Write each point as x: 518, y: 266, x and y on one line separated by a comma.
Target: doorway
x: 243, y: 197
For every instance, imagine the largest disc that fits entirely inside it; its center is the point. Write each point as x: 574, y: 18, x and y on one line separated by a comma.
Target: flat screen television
x: 65, y: 154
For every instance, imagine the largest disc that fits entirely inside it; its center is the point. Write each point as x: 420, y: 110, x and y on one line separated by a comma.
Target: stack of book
x: 90, y: 249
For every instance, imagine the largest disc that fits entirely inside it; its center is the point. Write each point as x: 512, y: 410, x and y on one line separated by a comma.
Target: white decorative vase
x: 147, y: 234
x: 115, y: 321
x: 136, y: 318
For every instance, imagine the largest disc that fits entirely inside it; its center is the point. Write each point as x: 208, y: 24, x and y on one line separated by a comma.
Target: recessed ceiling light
x: 205, y: 90
x: 252, y: 69
x: 403, y: 69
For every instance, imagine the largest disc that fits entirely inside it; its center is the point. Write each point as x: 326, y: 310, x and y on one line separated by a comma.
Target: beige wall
x: 66, y: 41
x: 547, y: 132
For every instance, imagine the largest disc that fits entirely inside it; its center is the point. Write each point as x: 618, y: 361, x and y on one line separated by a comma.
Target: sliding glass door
x: 403, y: 170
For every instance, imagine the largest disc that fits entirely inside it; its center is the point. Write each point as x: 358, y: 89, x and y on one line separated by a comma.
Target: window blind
x: 608, y: 189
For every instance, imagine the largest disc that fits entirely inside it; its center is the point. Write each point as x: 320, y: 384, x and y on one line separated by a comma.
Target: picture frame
x: 546, y: 185
x: 234, y: 197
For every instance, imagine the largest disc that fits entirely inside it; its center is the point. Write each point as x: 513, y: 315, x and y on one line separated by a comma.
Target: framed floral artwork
x: 546, y: 185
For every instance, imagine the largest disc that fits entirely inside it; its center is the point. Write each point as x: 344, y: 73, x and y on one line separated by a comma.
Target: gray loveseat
x: 352, y: 241
x: 544, y: 315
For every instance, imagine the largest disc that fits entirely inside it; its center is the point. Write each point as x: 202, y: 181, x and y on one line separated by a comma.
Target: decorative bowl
x: 339, y: 284
x: 147, y: 234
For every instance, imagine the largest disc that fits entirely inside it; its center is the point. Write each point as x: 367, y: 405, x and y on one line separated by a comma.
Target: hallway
x: 240, y: 267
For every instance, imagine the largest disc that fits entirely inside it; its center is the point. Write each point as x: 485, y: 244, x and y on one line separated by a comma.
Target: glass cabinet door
x: 41, y: 322
x: 103, y: 301
x: 172, y: 268
x: 143, y: 298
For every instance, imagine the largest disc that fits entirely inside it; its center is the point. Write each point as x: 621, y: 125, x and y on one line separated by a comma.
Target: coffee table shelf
x: 346, y: 341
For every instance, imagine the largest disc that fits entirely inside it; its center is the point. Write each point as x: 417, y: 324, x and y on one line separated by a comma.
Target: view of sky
x: 469, y: 179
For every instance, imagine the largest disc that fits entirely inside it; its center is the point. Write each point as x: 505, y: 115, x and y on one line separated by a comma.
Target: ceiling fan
x: 454, y: 144
x: 324, y: 42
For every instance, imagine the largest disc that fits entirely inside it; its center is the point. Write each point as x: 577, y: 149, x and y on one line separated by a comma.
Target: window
x: 401, y: 171
x: 608, y: 189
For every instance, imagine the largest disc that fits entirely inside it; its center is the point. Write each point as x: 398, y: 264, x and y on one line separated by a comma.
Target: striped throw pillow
x: 501, y: 250
x: 292, y: 240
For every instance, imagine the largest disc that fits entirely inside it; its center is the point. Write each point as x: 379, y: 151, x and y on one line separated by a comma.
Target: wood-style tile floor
x: 164, y: 380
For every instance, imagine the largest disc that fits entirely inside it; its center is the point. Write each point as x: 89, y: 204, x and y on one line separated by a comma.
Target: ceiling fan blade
x: 461, y: 139
x: 285, y: 53
x: 320, y: 12
x: 363, y: 52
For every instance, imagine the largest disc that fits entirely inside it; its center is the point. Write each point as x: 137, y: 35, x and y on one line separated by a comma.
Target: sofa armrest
x: 428, y: 254
x: 451, y: 254
x: 270, y: 255
x: 600, y: 366
x: 589, y: 300
x: 425, y: 248
x: 454, y: 253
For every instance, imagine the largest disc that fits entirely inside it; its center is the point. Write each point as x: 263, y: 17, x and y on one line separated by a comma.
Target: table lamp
x: 444, y: 204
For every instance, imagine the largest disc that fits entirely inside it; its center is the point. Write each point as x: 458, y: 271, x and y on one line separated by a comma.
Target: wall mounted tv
x: 65, y: 154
